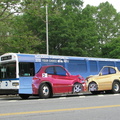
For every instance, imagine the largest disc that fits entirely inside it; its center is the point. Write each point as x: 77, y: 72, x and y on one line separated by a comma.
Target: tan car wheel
x: 93, y: 87
x: 116, y: 87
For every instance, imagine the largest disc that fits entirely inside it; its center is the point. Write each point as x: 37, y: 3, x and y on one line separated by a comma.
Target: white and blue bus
x: 17, y: 70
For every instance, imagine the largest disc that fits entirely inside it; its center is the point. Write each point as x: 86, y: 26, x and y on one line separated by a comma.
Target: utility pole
x: 47, y: 42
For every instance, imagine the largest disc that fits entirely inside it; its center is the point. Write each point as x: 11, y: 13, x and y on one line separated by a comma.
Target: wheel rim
x: 93, y: 87
x: 77, y: 88
x: 45, y: 90
x: 116, y: 87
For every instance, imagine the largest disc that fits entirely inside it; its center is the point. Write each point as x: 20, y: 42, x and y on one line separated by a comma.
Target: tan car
x: 107, y: 80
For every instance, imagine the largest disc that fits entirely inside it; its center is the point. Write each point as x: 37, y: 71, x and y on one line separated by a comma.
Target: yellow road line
x: 58, y: 110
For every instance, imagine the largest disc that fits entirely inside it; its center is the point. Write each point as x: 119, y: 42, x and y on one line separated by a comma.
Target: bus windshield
x: 8, y: 70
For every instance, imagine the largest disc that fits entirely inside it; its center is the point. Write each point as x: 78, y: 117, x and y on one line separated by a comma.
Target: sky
x: 115, y: 3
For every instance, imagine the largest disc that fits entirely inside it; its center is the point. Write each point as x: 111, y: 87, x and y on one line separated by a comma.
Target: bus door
x: 26, y: 73
x: 8, y: 78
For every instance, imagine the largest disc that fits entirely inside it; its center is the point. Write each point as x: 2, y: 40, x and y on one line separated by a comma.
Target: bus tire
x: 44, y: 91
x: 24, y: 96
x: 115, y: 87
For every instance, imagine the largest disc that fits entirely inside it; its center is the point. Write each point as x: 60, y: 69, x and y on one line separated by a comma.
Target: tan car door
x: 105, y: 78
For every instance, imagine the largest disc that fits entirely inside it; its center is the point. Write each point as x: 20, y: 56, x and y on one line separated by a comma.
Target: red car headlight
x: 82, y: 80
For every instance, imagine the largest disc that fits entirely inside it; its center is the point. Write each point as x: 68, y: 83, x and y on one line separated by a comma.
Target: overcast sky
x: 115, y: 3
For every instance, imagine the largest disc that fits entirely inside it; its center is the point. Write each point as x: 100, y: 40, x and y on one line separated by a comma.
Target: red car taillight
x: 36, y: 78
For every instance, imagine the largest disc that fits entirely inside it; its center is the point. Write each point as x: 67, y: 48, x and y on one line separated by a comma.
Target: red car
x: 55, y: 79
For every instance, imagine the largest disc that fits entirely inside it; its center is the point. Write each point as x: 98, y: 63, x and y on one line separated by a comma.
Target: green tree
x: 8, y: 8
x: 4, y: 33
x: 84, y: 36
x: 21, y: 39
x: 108, y: 22
x: 108, y: 25
x: 62, y: 26
x: 62, y: 15
x: 72, y: 30
x: 112, y: 49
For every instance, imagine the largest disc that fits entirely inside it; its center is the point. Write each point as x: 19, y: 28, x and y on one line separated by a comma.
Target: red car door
x: 62, y: 84
x: 62, y: 80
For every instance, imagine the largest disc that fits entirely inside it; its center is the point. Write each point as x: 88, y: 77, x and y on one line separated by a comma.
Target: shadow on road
x: 17, y: 97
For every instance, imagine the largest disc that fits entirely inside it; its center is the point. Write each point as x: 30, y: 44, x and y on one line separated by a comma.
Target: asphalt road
x: 79, y: 107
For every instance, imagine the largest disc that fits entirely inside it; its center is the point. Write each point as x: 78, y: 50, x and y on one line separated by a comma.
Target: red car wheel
x: 44, y: 91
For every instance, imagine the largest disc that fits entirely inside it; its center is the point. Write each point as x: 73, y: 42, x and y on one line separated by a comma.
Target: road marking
x: 116, y: 94
x: 13, y: 101
x: 101, y: 95
x: 82, y: 96
x: 62, y: 98
x: 58, y: 110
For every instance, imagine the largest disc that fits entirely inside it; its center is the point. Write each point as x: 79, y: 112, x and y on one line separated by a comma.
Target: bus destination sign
x: 6, y: 58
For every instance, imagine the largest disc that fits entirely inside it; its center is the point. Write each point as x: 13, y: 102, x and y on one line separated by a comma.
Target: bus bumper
x: 8, y: 91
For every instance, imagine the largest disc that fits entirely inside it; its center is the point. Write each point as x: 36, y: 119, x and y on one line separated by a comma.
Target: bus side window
x: 22, y: 72
x: 26, y: 69
x: 32, y: 73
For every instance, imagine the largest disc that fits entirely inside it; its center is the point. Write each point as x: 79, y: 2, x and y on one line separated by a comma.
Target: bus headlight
x: 15, y: 84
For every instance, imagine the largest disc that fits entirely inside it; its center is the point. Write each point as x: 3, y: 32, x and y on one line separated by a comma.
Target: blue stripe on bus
x: 9, y: 79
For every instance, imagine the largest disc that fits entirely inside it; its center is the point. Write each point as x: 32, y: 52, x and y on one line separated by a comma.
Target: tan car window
x: 108, y: 70
x: 112, y: 71
x: 105, y: 71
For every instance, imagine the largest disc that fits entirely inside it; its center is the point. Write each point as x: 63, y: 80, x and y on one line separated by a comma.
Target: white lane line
x: 101, y: 95
x: 116, y: 94
x: 13, y: 101
x: 82, y: 96
x: 41, y: 99
x: 62, y: 98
